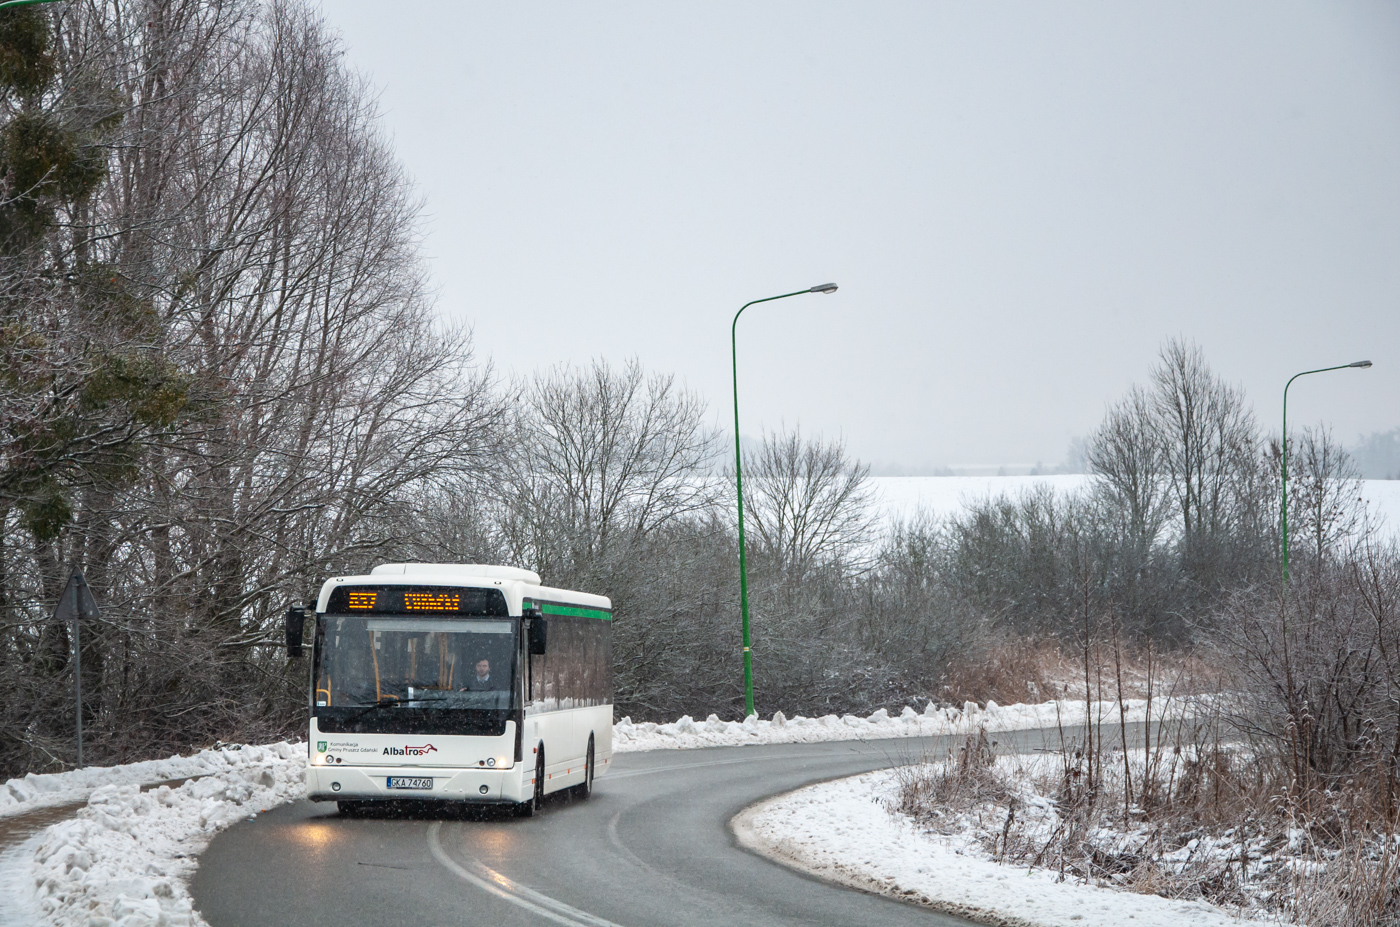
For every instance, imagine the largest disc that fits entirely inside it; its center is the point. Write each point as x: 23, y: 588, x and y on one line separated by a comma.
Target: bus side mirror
x: 539, y: 633
x: 296, y: 618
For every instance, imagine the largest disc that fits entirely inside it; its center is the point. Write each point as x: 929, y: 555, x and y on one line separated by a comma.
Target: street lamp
x: 1283, y: 512
x: 739, y: 485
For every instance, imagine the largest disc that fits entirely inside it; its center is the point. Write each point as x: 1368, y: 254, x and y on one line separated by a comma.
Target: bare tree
x: 807, y: 501
x: 1324, y: 493
x: 1127, y: 453
x: 601, y: 458
x: 910, y: 615
x: 606, y: 487
x: 1208, y: 437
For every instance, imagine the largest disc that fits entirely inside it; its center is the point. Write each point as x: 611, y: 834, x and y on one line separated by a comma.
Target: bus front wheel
x: 535, y: 803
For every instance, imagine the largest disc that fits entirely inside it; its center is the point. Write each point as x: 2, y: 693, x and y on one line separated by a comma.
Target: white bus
x: 458, y: 683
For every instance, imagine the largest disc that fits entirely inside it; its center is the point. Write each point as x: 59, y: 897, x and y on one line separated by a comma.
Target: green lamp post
x: 739, y: 485
x: 1283, y: 508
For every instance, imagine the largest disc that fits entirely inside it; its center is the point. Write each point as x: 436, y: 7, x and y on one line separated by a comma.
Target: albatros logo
x: 410, y: 751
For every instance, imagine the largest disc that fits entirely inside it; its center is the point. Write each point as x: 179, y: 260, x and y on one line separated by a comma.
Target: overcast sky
x: 1020, y: 202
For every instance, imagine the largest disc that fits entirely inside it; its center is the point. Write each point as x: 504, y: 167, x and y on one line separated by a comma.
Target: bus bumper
x: 370, y: 783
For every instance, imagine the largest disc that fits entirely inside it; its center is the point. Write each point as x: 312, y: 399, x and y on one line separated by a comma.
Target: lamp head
x: 831, y: 288
x: 1359, y: 364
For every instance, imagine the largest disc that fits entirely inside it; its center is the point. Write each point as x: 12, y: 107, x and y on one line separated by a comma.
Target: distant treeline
x: 1378, y: 456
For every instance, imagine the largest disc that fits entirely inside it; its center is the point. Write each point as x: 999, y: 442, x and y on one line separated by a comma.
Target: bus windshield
x: 406, y: 674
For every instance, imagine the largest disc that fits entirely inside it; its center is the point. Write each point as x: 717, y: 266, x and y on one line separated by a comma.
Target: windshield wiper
x: 386, y: 703
x: 382, y: 703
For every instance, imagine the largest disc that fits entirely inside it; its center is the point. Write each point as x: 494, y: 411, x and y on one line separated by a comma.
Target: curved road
x: 651, y: 848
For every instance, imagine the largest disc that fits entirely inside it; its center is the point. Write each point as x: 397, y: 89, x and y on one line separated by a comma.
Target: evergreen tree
x: 84, y: 382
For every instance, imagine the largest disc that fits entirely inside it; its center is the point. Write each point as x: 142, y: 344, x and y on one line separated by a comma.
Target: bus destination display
x: 422, y: 600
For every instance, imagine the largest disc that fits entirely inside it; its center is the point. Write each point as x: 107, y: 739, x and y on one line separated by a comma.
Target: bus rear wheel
x: 535, y: 803
x: 585, y: 788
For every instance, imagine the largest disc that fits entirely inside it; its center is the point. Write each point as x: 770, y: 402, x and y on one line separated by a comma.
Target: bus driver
x: 482, y: 681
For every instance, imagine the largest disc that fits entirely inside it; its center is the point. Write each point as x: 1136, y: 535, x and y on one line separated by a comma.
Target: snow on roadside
x: 20, y: 796
x: 842, y: 831
x: 688, y: 733
x: 125, y: 859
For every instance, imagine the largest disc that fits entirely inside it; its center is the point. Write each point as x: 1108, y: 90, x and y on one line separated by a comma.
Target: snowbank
x: 842, y: 831
x: 18, y: 796
x: 126, y: 858
x: 712, y: 732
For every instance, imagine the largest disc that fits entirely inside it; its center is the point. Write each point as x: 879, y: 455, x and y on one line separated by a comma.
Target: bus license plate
x: 402, y: 782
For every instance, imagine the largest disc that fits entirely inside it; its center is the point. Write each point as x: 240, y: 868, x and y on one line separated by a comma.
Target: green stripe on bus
x: 577, y: 611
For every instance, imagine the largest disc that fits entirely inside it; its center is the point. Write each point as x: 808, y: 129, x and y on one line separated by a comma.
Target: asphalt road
x: 651, y: 848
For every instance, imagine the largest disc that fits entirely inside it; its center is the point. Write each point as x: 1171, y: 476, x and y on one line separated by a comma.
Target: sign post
x: 75, y: 604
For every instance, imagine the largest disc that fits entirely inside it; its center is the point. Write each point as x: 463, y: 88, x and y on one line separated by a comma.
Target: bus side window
x: 575, y: 670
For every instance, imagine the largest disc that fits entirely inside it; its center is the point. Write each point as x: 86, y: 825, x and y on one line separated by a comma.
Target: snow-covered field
x: 843, y: 831
x: 126, y: 857
x: 905, y: 496
x: 1382, y: 499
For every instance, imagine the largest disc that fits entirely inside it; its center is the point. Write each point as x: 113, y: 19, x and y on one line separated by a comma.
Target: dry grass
x: 1012, y: 671
x: 1023, y: 669
x: 934, y: 791
x: 1202, y: 812
x: 1358, y: 886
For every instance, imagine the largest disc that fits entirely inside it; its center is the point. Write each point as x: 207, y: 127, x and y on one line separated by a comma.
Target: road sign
x: 75, y: 604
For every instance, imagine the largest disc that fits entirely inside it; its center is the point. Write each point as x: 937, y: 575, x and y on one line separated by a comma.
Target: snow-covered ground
x: 843, y: 831
x: 126, y: 857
